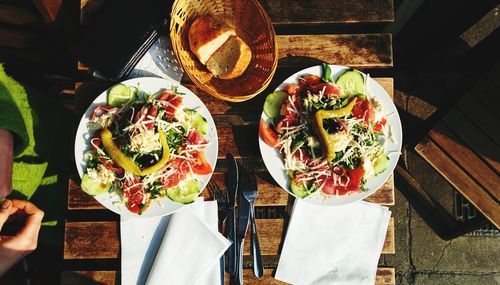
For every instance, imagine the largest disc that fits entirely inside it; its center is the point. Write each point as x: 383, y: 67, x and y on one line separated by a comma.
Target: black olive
x: 331, y: 125
x: 146, y: 160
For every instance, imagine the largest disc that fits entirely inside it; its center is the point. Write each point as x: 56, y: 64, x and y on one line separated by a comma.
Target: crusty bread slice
x: 206, y: 36
x: 231, y: 59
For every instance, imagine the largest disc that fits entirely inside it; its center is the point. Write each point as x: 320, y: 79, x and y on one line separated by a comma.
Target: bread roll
x: 231, y: 59
x: 206, y: 36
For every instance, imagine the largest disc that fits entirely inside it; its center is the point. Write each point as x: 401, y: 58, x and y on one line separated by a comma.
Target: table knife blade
x: 232, y: 181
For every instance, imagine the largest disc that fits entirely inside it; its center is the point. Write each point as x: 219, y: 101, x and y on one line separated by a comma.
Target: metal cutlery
x: 243, y: 215
x: 232, y: 180
x: 250, y: 193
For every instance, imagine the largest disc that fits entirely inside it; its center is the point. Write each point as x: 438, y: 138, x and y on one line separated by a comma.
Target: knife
x: 243, y: 215
x: 232, y: 181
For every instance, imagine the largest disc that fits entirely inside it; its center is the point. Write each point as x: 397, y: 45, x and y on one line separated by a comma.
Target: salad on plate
x: 330, y: 134
x: 145, y: 147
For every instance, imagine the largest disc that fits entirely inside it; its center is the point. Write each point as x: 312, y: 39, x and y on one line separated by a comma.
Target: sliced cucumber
x: 93, y: 187
x: 187, y: 194
x: 298, y: 190
x: 197, y: 121
x: 119, y: 95
x: 351, y: 83
x: 381, y: 163
x: 273, y: 103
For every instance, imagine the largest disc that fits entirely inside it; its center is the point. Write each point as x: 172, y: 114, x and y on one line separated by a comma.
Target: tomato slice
x: 267, y: 134
x: 292, y: 89
x: 336, y: 184
x: 201, y: 165
x: 328, y: 89
x: 355, y: 177
x: 379, y: 126
x: 363, y: 109
x: 195, y: 137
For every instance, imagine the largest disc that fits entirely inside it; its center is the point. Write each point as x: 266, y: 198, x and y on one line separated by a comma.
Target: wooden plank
x: 84, y: 240
x: 467, y: 159
x: 92, y: 240
x: 478, y: 141
x: 356, y: 50
x: 79, y: 200
x: 17, y: 16
x: 89, y: 277
x: 385, y: 276
x: 270, y: 194
x: 481, y: 115
x: 323, y: 12
x: 306, y: 12
x: 460, y: 180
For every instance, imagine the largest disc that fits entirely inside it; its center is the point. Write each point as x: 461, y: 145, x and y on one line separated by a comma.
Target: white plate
x: 274, y: 161
x: 160, y: 206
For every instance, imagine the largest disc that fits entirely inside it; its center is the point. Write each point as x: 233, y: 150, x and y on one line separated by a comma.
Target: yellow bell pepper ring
x: 126, y: 162
x: 327, y: 140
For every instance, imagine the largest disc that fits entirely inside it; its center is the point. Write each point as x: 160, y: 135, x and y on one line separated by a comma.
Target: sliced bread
x: 231, y: 59
x: 206, y: 36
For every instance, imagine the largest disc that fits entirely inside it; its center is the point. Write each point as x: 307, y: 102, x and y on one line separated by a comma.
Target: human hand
x: 6, y: 149
x: 14, y: 248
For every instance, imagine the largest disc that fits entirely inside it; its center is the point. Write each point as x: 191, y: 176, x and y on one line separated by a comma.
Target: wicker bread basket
x: 250, y: 22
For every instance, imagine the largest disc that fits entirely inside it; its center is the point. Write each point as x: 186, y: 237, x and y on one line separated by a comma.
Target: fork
x: 250, y: 193
x: 222, y: 206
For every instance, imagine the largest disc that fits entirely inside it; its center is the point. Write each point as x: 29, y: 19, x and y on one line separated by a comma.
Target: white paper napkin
x: 333, y: 245
x: 180, y: 249
x: 190, y: 249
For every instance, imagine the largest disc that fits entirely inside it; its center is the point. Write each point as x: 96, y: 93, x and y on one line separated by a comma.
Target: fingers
x: 33, y: 220
x: 6, y: 210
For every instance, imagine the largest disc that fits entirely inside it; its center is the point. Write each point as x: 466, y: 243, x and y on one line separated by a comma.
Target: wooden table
x: 92, y: 241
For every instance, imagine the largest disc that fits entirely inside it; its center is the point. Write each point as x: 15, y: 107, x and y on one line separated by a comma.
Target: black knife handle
x: 239, y: 270
x: 232, y: 253
x: 258, y: 269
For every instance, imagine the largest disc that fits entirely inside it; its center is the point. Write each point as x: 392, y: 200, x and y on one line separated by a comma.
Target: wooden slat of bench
x: 481, y: 115
x: 361, y: 50
x: 385, y: 276
x: 89, y: 277
x: 474, y: 137
x: 356, y: 50
x: 467, y: 159
x: 460, y: 180
x: 305, y: 12
x: 321, y: 12
x: 92, y: 240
